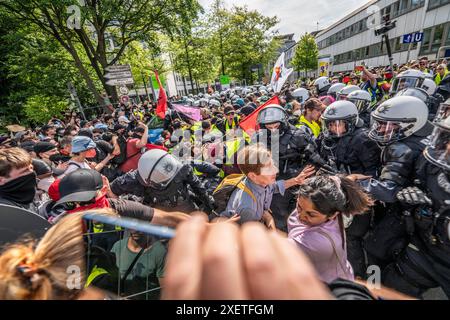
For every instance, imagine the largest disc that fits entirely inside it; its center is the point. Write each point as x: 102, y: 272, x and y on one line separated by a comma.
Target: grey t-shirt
x: 242, y: 203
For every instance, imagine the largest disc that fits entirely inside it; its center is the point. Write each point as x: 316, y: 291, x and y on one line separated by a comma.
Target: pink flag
x: 192, y: 113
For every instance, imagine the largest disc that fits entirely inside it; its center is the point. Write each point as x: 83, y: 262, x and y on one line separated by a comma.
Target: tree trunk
x: 188, y: 61
x: 85, y: 75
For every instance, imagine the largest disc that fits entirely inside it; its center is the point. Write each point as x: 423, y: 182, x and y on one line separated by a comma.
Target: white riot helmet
x: 340, y: 119
x: 203, y: 102
x: 438, y: 151
x: 397, y: 119
x: 345, y: 91
x: 196, y: 103
x: 429, y: 86
x: 157, y: 168
x: 271, y: 114
x: 321, y: 83
x: 214, y: 103
x: 414, y: 92
x: 407, y: 79
x: 361, y: 99
x: 334, y: 89
x: 263, y: 92
x: 262, y: 88
x: 190, y: 102
x: 301, y: 95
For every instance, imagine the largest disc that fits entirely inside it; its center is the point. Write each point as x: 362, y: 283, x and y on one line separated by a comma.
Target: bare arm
x: 144, y: 138
x: 102, y: 164
x: 305, y: 174
x: 372, y: 77
x: 385, y: 293
x: 169, y: 219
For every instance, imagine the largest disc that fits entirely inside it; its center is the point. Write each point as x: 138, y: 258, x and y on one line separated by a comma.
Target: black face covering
x: 143, y: 240
x: 20, y: 190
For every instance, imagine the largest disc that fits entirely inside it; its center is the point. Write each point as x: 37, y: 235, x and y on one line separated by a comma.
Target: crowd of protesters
x: 316, y: 182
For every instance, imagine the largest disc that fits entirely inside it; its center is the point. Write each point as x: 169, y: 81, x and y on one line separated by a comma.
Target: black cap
x: 85, y: 133
x: 46, y: 127
x: 228, y: 109
x: 28, y: 145
x: 139, y: 130
x: 247, y: 110
x: 118, y: 127
x: 41, y: 168
x: 80, y: 186
x: 43, y: 146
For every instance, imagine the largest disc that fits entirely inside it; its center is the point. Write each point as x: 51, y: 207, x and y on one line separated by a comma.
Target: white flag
x: 280, y: 74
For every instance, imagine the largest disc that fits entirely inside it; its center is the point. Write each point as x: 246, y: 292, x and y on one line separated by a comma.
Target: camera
x: 388, y: 25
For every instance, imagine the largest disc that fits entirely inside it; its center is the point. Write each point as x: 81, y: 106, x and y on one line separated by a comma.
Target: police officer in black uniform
x: 425, y: 262
x: 400, y: 127
x: 346, y: 144
x: 362, y: 100
x: 165, y: 183
x: 291, y: 147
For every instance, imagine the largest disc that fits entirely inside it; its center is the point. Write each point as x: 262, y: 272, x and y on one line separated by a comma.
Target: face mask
x: 21, y: 190
x: 45, y: 183
x: 91, y: 153
x: 143, y: 240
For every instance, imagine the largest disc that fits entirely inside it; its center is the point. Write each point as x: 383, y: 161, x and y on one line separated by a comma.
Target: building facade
x: 352, y: 40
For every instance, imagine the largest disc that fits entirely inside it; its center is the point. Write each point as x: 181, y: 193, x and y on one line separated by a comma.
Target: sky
x: 298, y: 16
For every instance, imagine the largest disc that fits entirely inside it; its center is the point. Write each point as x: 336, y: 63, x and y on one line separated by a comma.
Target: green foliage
x: 243, y: 39
x: 306, y: 54
x: 40, y: 108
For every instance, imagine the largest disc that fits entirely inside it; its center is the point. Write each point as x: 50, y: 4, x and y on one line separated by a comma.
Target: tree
x: 306, y: 54
x: 34, y: 68
x: 248, y: 42
x: 191, y: 53
x: 84, y: 30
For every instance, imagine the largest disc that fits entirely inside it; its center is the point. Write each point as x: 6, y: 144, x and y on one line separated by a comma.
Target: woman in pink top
x: 316, y: 226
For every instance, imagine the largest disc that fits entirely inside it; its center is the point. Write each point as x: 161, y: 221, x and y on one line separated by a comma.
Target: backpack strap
x: 241, y: 185
x: 75, y: 164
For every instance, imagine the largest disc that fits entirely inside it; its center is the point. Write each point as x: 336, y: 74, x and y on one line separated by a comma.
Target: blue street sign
x: 418, y: 37
x: 407, y: 38
x: 413, y: 37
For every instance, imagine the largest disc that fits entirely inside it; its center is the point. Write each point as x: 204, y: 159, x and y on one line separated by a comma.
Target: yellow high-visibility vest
x: 438, y: 78
x: 96, y: 272
x: 314, y: 126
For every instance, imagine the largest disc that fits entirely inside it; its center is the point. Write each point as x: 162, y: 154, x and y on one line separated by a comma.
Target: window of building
x: 403, y: 6
x: 357, y: 54
x: 395, y: 9
x: 416, y: 3
x: 437, y: 38
x: 447, y: 40
x: 433, y: 4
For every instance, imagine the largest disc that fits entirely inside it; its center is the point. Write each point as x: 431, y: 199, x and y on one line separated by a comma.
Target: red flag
x: 161, y: 108
x: 249, y: 125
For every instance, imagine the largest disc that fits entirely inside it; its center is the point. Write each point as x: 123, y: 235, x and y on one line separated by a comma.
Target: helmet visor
x: 271, y: 115
x: 335, y: 128
x: 438, y: 151
x: 362, y: 105
x: 404, y: 83
x: 385, y: 131
x: 443, y: 112
x: 341, y: 97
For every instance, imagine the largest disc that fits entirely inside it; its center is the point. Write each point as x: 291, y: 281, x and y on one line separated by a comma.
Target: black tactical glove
x: 413, y: 196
